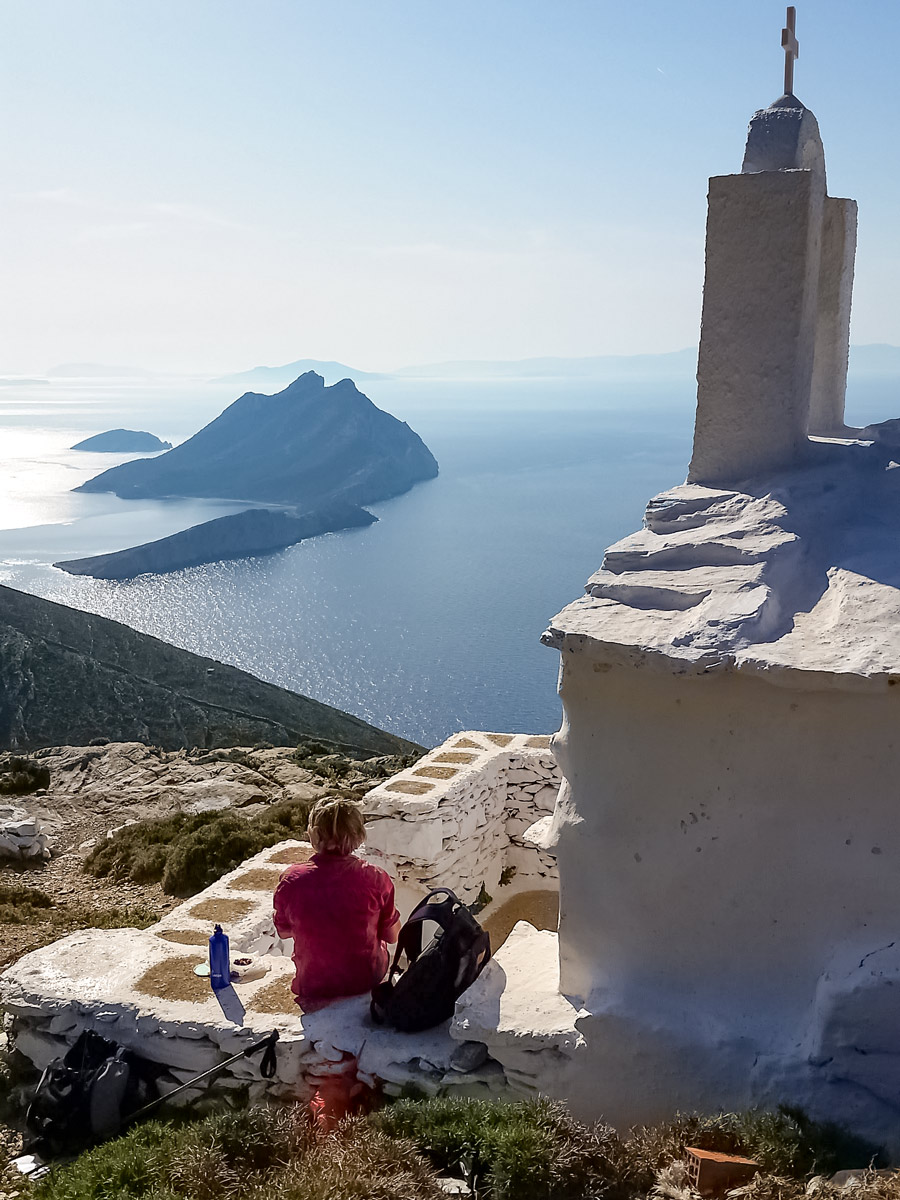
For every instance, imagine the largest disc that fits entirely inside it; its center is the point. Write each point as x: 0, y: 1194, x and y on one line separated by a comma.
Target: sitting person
x: 338, y: 909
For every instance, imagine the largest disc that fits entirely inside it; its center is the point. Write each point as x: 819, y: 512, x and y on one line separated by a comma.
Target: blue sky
x: 196, y: 185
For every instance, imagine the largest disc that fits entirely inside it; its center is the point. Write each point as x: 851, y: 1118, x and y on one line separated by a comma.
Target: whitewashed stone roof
x: 793, y: 572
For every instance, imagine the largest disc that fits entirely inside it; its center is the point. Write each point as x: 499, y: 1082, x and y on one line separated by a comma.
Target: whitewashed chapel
x: 725, y: 841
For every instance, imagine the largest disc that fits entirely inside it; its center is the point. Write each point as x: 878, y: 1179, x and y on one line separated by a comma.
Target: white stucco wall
x: 727, y: 843
x: 775, y: 332
x: 729, y: 854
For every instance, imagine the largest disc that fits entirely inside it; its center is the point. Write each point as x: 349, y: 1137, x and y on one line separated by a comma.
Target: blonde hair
x: 336, y: 826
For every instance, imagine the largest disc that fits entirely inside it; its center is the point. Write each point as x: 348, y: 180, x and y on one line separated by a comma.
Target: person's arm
x: 279, y: 912
x: 389, y: 921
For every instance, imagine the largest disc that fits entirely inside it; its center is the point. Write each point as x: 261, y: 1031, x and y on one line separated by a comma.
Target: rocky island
x: 123, y: 441
x: 240, y: 535
x: 308, y: 446
x: 67, y: 677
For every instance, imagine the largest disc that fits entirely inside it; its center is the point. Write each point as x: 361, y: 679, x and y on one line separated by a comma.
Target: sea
x: 425, y: 623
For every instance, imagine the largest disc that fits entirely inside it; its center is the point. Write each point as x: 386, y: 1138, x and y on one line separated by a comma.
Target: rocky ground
x: 96, y: 789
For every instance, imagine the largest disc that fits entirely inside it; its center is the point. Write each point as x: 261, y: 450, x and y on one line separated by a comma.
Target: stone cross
x: 791, y: 48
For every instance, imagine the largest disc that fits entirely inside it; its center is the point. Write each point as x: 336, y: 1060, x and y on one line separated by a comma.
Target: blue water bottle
x: 219, y: 963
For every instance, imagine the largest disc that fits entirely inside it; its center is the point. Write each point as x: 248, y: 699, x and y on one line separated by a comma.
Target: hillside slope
x: 67, y: 676
x: 309, y: 445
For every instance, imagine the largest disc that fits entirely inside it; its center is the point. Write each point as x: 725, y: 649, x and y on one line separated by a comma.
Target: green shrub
x: 323, y: 762
x: 526, y: 1151
x: 187, y: 852
x: 19, y: 776
x: 134, y: 1165
x: 785, y: 1143
x: 7, y: 1103
x: 534, y: 1150
x: 20, y: 905
x: 310, y: 748
x: 329, y: 763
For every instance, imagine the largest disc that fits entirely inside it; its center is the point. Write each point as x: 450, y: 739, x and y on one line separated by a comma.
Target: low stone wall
x: 467, y: 816
x: 138, y: 988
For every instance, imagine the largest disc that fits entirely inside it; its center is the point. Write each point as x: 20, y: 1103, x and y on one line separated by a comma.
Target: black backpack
x: 86, y: 1096
x: 426, y: 992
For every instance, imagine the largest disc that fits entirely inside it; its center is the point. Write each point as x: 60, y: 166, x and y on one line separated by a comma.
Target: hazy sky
x: 213, y: 184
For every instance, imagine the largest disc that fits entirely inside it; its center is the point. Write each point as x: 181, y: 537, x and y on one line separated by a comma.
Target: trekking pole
x: 266, y: 1069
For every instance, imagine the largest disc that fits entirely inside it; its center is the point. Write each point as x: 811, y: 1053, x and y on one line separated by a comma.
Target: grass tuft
x: 256, y: 1154
x: 534, y: 1149
x: 20, y: 905
x: 117, y: 916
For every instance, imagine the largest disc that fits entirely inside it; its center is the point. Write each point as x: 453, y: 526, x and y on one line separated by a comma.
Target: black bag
x: 85, y: 1097
x: 426, y: 992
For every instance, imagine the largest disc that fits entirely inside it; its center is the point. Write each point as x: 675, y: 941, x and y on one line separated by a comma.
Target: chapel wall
x: 728, y: 835
x: 728, y: 846
x: 721, y: 839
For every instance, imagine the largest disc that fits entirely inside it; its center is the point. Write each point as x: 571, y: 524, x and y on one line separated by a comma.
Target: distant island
x: 677, y: 365
x: 256, y: 531
x: 308, y: 446
x: 273, y: 377
x: 68, y: 676
x: 123, y: 441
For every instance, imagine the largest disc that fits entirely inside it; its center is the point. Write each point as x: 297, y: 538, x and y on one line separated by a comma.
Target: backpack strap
x: 429, y: 909
x: 439, y: 911
x: 269, y: 1062
x: 409, y: 941
x: 450, y: 895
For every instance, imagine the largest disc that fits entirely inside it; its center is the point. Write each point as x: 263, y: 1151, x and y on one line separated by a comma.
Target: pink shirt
x: 337, y: 908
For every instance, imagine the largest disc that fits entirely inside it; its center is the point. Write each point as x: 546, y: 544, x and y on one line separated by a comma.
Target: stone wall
x: 469, y: 816
x: 138, y: 988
